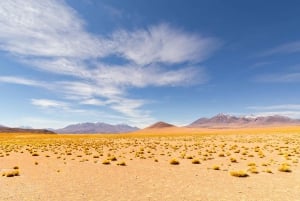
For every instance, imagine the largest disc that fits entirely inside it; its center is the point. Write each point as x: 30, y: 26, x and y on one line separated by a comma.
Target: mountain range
x: 228, y: 121
x: 218, y: 121
x: 4, y: 129
x: 96, y: 128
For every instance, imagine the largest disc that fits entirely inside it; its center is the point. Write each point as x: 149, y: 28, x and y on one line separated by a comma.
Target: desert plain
x: 159, y: 164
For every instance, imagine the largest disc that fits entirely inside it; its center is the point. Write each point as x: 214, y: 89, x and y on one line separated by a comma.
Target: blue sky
x: 137, y: 62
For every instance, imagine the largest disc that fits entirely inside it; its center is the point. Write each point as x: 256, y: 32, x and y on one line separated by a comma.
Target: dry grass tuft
x: 121, y: 163
x: 11, y: 173
x: 239, y: 173
x: 195, y: 161
x: 284, y: 168
x: 106, y: 162
x: 174, y: 162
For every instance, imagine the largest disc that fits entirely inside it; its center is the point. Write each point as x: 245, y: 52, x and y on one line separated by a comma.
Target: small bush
x: 269, y: 171
x: 284, y: 168
x: 216, y: 167
x: 12, y: 173
x: 106, y: 162
x: 122, y: 163
x: 253, y: 170
x: 239, y: 173
x: 174, y: 162
x: 196, y: 161
x: 221, y: 155
x: 233, y: 160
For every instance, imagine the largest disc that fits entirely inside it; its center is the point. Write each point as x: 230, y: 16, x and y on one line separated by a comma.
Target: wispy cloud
x: 163, y: 43
x: 50, y: 36
x: 276, y: 107
x: 46, y: 28
x: 289, y: 110
x: 93, y: 101
x: 46, y: 103
x: 286, y: 48
x: 20, y: 81
x: 283, y: 77
x: 291, y: 114
x: 113, y: 11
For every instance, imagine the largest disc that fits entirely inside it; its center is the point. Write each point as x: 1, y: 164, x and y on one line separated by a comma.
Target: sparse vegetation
x: 196, y: 161
x: 106, y: 162
x: 174, y: 162
x: 239, y: 173
x: 11, y: 173
x: 285, y: 168
x: 216, y: 167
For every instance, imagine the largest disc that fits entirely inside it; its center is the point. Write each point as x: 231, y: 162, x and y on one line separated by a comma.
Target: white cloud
x: 283, y: 77
x: 291, y: 47
x: 289, y: 110
x: 277, y: 107
x: 64, y: 66
x: 148, y: 76
x: 93, y: 101
x: 291, y: 114
x: 163, y: 43
x: 50, y: 36
x: 46, y: 103
x: 46, y: 28
x: 20, y: 81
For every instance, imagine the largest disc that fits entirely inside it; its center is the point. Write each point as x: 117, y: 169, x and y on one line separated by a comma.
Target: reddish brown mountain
x: 161, y: 124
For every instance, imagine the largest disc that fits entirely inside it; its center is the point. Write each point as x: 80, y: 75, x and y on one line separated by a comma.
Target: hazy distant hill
x: 223, y: 120
x: 96, y: 128
x: 160, y: 124
x: 4, y: 129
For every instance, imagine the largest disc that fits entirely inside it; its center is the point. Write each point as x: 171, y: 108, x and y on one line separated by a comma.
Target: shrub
x: 233, y: 160
x: 196, y: 161
x: 106, y: 162
x: 239, y: 173
x: 122, y: 163
x: 253, y: 170
x: 284, y: 168
x: 216, y: 167
x: 221, y: 155
x: 12, y: 173
x: 174, y: 162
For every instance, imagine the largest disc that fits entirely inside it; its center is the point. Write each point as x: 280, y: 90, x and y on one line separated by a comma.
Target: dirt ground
x: 69, y: 167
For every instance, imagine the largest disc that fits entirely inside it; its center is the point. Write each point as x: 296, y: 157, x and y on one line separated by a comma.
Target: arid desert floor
x: 215, y: 165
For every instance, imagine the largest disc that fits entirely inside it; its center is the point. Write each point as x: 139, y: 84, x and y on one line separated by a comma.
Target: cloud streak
x: 286, y: 48
x: 46, y: 103
x: 289, y: 110
x: 20, y: 81
x: 283, y: 77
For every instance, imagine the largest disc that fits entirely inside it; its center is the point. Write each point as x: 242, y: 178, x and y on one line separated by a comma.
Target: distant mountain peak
x: 161, y: 124
x: 98, y: 127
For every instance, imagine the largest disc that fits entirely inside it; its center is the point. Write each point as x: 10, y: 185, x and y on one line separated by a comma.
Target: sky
x: 137, y: 62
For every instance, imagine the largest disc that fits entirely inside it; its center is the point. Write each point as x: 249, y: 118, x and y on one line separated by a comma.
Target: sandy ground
x: 70, y: 168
